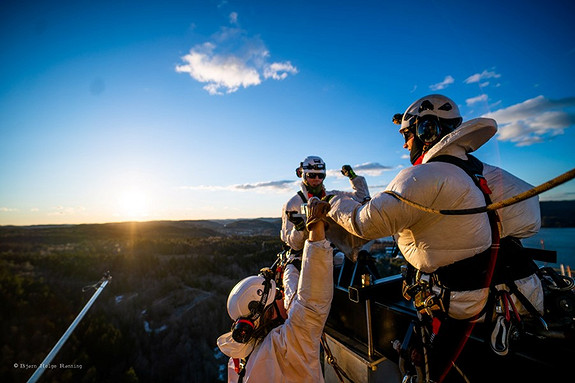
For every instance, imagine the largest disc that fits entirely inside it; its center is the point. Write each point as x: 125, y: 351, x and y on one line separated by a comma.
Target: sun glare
x: 133, y: 204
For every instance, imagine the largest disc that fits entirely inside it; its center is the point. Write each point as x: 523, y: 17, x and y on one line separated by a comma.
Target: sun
x: 133, y: 204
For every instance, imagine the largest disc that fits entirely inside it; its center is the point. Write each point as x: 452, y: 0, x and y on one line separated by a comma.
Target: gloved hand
x: 316, y: 211
x: 295, y: 218
x: 347, y: 171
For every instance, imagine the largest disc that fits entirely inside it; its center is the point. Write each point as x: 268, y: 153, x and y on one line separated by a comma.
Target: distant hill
x: 558, y: 213
x: 254, y: 227
x: 553, y: 214
x: 59, y: 234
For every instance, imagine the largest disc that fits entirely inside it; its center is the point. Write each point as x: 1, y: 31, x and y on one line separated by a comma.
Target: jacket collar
x: 232, y: 348
x: 469, y: 137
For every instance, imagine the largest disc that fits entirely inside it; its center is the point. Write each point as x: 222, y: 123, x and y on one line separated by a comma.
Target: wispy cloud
x: 7, y: 210
x: 534, y: 120
x: 372, y: 169
x: 475, y: 100
x: 279, y: 71
x: 366, y: 169
x: 231, y: 60
x: 444, y: 84
x: 66, y: 210
x: 477, y: 77
x: 279, y: 186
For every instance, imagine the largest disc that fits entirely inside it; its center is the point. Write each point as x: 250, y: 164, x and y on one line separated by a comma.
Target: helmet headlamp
x: 313, y: 166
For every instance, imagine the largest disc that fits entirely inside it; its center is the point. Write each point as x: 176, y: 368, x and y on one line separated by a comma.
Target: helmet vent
x: 447, y: 107
x: 425, y: 105
x: 253, y: 306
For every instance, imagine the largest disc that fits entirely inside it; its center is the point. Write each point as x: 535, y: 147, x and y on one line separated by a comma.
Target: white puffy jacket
x: 295, y: 239
x: 290, y: 352
x: 429, y: 241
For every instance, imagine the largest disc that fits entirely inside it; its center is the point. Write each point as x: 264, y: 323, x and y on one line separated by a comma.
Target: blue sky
x: 144, y: 110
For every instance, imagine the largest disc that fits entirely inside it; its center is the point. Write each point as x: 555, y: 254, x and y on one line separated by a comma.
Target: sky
x: 179, y: 110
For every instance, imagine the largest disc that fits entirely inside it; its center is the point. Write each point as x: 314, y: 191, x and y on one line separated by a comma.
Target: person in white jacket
x: 437, y: 244
x: 312, y: 170
x: 293, y: 233
x: 273, y: 351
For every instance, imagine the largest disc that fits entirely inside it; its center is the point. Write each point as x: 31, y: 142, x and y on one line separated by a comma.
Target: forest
x: 157, y: 320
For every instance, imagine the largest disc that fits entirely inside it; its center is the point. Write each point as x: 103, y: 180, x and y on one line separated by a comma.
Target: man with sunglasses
x: 452, y: 257
x: 312, y: 170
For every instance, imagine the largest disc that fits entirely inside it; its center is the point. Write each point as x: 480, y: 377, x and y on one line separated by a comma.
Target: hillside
x: 558, y: 213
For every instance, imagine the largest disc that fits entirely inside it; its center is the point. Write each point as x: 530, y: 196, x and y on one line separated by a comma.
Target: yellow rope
x: 494, y: 206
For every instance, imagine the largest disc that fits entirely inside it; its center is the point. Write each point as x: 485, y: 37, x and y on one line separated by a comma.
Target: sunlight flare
x: 133, y: 204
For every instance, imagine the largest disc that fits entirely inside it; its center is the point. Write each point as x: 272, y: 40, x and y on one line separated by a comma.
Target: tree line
x: 158, y: 319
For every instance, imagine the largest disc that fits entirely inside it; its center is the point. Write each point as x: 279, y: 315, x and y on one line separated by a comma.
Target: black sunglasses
x: 407, y: 134
x: 321, y: 176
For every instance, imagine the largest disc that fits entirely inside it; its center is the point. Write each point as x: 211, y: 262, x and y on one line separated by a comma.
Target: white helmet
x: 250, y: 296
x: 311, y: 164
x: 431, y: 117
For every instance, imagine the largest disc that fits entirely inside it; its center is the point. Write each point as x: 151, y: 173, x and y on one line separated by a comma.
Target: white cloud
x: 481, y: 76
x: 534, y: 120
x: 276, y: 185
x: 7, y: 209
x: 442, y: 85
x: 219, y: 72
x: 66, y: 210
x: 279, y: 186
x: 232, y: 60
x: 279, y: 71
x: 475, y: 100
x: 365, y: 169
x: 372, y: 169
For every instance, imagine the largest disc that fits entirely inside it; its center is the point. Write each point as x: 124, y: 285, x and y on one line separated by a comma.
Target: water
x: 561, y: 240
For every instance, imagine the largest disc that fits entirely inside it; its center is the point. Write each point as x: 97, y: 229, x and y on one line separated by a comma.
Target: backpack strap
x: 241, y: 369
x: 295, y: 262
x: 474, y: 169
x: 300, y: 193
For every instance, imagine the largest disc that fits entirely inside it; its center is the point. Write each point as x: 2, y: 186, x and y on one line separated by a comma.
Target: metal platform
x: 364, y: 321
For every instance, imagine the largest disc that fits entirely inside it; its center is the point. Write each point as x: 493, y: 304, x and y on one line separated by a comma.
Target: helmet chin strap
x: 416, y: 149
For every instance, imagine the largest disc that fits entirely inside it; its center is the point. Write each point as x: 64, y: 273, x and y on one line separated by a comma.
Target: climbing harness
x: 99, y: 287
x: 431, y: 299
